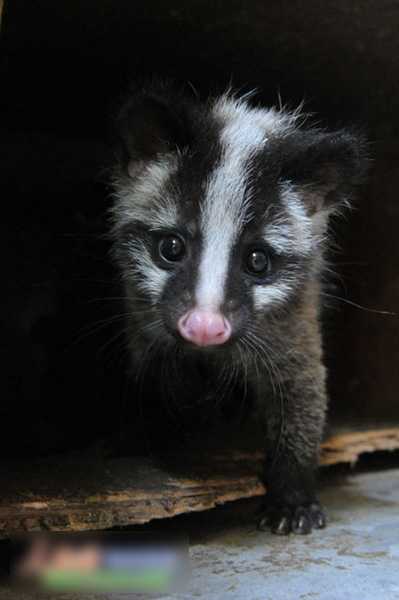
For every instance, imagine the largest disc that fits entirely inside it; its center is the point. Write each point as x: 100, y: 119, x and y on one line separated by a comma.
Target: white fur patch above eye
x: 271, y: 295
x: 226, y: 206
x: 290, y: 232
x: 145, y: 198
x: 151, y: 279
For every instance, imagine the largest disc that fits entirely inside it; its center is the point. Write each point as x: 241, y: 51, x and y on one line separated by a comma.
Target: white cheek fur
x: 273, y: 294
x: 151, y: 278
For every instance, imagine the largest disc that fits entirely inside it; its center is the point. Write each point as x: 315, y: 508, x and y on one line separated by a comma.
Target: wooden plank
x: 75, y: 494
x: 347, y: 447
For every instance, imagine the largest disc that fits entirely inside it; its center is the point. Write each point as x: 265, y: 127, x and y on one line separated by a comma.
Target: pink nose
x: 204, y: 328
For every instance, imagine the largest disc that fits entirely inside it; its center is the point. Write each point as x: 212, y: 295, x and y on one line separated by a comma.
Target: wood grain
x: 81, y: 493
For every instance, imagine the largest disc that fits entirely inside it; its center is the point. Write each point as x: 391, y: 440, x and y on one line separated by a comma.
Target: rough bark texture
x: 80, y: 494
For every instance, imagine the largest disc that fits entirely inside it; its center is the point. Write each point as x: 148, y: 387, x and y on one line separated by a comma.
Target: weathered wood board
x: 80, y: 493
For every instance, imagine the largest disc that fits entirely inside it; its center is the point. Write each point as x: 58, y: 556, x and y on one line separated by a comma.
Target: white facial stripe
x: 226, y: 208
x: 144, y: 198
x: 265, y: 295
x: 152, y: 279
x: 291, y: 233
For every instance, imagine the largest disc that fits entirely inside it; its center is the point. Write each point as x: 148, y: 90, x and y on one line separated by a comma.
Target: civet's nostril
x: 204, y: 327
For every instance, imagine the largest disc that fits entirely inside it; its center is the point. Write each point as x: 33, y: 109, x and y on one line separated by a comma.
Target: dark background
x: 63, y: 65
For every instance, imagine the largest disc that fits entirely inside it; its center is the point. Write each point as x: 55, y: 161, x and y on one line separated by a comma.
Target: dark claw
x: 319, y: 518
x: 299, y: 520
x: 264, y: 523
x: 281, y: 525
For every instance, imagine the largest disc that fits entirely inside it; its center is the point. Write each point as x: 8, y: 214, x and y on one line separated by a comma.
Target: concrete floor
x: 355, y: 558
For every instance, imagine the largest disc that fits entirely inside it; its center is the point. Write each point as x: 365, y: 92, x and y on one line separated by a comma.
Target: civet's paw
x: 301, y: 519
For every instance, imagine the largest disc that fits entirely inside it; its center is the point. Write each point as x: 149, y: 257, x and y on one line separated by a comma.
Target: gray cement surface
x: 355, y: 558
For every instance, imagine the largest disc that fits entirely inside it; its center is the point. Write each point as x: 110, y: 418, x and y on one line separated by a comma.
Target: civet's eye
x: 171, y: 248
x: 258, y: 262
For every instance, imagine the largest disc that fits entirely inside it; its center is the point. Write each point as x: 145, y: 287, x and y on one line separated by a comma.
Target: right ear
x: 149, y: 124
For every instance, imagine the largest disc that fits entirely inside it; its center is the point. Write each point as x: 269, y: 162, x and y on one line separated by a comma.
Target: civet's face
x: 221, y: 211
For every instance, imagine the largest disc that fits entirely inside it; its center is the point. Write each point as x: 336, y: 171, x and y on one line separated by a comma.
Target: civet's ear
x: 326, y: 167
x: 152, y: 122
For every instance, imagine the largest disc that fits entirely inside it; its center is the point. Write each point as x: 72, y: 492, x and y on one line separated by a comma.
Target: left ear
x: 326, y: 167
